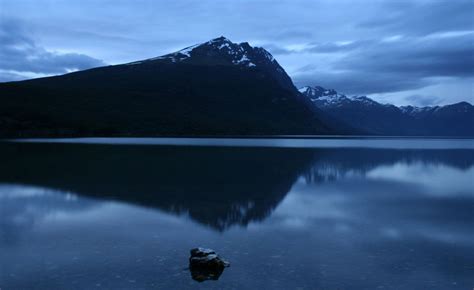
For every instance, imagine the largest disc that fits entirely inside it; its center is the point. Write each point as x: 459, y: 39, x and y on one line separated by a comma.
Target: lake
x: 103, y: 213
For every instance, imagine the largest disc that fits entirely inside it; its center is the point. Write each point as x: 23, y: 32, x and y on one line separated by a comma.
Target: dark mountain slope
x: 216, y: 88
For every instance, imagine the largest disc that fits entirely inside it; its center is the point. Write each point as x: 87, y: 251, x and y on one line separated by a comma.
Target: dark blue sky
x: 405, y: 52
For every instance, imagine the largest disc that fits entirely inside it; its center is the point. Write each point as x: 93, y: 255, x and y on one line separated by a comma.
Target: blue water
x: 286, y: 213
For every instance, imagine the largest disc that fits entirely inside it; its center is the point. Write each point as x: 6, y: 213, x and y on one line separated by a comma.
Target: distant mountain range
x: 387, y: 119
x: 217, y: 88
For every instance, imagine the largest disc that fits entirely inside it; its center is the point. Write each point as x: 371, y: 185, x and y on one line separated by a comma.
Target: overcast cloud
x: 419, y: 51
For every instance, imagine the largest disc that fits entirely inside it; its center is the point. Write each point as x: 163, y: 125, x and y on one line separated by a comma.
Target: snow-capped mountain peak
x: 417, y: 111
x: 219, y: 51
x: 387, y: 119
x: 222, y: 51
x: 364, y: 100
x: 331, y: 100
x: 317, y: 91
x: 323, y: 97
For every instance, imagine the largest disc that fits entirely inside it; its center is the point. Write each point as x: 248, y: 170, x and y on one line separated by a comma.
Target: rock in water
x: 205, y: 264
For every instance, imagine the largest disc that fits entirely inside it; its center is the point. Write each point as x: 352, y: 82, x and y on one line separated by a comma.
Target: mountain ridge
x: 331, y: 96
x: 387, y: 119
x: 215, y: 88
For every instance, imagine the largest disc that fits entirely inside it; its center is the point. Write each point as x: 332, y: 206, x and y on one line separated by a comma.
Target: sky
x: 418, y: 52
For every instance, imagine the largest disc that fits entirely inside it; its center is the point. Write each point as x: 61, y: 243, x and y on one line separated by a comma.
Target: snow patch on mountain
x: 329, y: 98
x: 412, y: 110
x: 187, y: 50
x: 244, y: 60
x: 241, y: 54
x: 323, y: 97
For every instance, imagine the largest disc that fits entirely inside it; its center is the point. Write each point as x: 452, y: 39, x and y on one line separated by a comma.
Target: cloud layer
x: 21, y: 56
x: 390, y: 65
x: 397, y: 51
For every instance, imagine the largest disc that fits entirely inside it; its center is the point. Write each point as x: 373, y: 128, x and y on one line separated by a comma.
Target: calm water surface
x: 287, y: 214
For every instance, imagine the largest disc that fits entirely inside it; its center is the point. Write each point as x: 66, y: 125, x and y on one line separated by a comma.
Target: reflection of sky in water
x: 378, y: 203
x: 400, y: 225
x: 436, y: 179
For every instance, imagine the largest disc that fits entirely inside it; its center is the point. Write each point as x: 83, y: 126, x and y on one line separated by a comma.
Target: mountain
x: 386, y: 119
x: 214, y: 88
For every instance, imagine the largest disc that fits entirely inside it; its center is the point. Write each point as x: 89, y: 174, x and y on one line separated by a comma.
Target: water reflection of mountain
x: 332, y: 164
x: 216, y: 186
